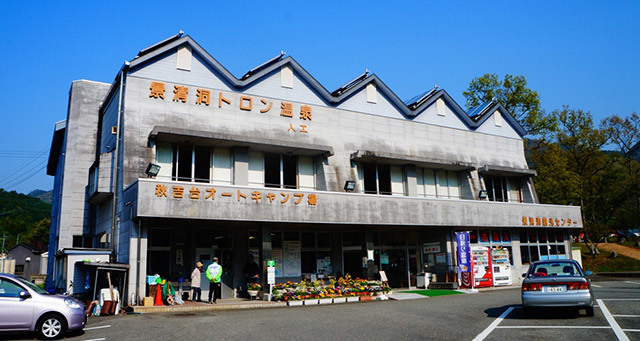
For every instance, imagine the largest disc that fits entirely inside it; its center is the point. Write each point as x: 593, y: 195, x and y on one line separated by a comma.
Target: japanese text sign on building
x: 195, y: 193
x: 464, y: 263
x: 545, y: 221
x: 245, y: 103
x: 431, y: 247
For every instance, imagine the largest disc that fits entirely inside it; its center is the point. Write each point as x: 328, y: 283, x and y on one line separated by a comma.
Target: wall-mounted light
x: 152, y: 170
x: 482, y: 194
x: 349, y: 185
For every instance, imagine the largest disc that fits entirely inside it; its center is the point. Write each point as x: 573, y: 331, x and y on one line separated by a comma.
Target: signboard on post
x: 271, y: 272
x: 464, y: 262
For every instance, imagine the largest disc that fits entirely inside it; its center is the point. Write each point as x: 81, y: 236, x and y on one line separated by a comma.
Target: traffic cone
x: 158, y: 296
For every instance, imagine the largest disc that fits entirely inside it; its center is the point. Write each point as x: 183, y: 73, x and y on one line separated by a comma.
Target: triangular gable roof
x: 409, y: 110
x: 482, y: 112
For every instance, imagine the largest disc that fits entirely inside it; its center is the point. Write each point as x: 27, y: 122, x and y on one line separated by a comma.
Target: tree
x: 582, y: 143
x: 624, y: 133
x: 512, y: 92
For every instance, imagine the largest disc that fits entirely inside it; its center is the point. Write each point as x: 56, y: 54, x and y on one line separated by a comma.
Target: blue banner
x: 464, y: 263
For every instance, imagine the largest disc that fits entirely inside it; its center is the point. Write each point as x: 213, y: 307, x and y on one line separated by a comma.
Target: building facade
x: 274, y: 165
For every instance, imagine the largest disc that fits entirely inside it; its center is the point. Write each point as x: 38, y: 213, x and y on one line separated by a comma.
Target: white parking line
x: 612, y: 322
x: 619, y: 299
x: 553, y: 327
x: 98, y: 327
x: 101, y: 339
x: 625, y: 315
x: 632, y: 282
x: 596, y: 286
x: 493, y: 325
x: 632, y: 330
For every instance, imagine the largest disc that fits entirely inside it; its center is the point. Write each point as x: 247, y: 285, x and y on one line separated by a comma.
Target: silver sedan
x: 557, y: 283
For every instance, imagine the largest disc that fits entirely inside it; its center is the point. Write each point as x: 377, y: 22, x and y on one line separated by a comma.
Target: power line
x: 10, y: 176
x: 19, y: 181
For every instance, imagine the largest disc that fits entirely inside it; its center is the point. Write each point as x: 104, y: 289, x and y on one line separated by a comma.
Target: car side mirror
x: 524, y: 275
x: 24, y: 295
x: 588, y: 272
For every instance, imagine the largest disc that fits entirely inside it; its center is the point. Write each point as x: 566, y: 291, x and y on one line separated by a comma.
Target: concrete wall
x: 346, y: 131
x: 80, y: 143
x: 340, y: 208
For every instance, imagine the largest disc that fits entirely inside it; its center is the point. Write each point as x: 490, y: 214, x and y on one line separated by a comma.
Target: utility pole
x: 4, y: 236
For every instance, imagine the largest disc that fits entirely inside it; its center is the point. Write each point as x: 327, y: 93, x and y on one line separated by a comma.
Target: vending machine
x: 501, y: 267
x: 481, y: 266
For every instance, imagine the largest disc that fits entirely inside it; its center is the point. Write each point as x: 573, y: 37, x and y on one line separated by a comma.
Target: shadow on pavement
x: 536, y: 314
x: 32, y: 336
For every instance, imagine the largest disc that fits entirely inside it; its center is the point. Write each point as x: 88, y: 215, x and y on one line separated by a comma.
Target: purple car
x: 26, y: 307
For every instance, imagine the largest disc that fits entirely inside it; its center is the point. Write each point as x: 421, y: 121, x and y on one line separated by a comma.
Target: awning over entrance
x: 404, y: 159
x: 220, y: 139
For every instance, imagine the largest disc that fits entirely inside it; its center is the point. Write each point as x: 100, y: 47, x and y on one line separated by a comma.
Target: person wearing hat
x: 195, y: 283
x: 214, y: 272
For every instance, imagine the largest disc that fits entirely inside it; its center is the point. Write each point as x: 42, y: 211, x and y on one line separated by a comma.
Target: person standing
x: 214, y: 272
x: 251, y: 270
x: 195, y: 283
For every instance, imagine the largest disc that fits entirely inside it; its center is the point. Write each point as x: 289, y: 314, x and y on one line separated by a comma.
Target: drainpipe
x: 138, y: 262
x: 116, y: 172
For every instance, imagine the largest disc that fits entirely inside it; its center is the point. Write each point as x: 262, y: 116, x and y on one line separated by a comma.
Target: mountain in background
x: 46, y: 196
x: 24, y: 219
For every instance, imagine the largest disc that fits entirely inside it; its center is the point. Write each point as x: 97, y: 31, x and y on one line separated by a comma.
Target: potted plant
x: 253, y: 289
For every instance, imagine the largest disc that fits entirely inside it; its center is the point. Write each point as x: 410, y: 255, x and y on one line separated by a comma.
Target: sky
x: 584, y: 54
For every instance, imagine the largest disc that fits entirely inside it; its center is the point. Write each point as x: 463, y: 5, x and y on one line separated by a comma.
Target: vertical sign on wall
x: 464, y: 263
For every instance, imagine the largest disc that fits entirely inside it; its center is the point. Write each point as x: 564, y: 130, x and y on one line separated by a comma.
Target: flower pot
x: 366, y: 298
x: 339, y: 300
x: 311, y: 302
x: 325, y: 301
x: 294, y: 303
x: 253, y: 293
x: 353, y: 299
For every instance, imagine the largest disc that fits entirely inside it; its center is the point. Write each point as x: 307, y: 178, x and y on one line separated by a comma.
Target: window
x: 202, y: 163
x: 437, y: 183
x: 541, y: 245
x: 281, y: 170
x: 501, y: 188
x: 159, y: 238
x: 9, y: 289
x: 19, y: 269
x: 186, y: 162
x: 494, y: 239
x: 382, y: 179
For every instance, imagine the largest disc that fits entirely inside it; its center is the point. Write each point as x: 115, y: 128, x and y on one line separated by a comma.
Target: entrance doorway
x: 226, y: 261
x: 353, y: 263
x: 394, y: 264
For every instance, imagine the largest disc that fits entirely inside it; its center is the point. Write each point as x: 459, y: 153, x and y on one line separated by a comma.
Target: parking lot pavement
x: 617, y: 316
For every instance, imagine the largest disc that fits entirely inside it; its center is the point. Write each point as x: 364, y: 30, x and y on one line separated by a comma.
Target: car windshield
x: 32, y: 286
x: 556, y: 269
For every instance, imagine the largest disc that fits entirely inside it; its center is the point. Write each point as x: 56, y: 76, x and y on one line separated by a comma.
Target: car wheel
x: 590, y: 312
x: 51, y: 326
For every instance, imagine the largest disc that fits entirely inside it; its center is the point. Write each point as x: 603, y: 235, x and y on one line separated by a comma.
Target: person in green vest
x: 214, y: 272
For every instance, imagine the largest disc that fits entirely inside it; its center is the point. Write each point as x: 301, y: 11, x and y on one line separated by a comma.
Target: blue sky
x: 585, y: 54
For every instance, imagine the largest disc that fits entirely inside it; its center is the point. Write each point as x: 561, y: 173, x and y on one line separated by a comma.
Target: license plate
x: 555, y: 289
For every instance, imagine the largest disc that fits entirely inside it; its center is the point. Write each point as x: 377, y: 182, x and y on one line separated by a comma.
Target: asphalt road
x: 488, y: 315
